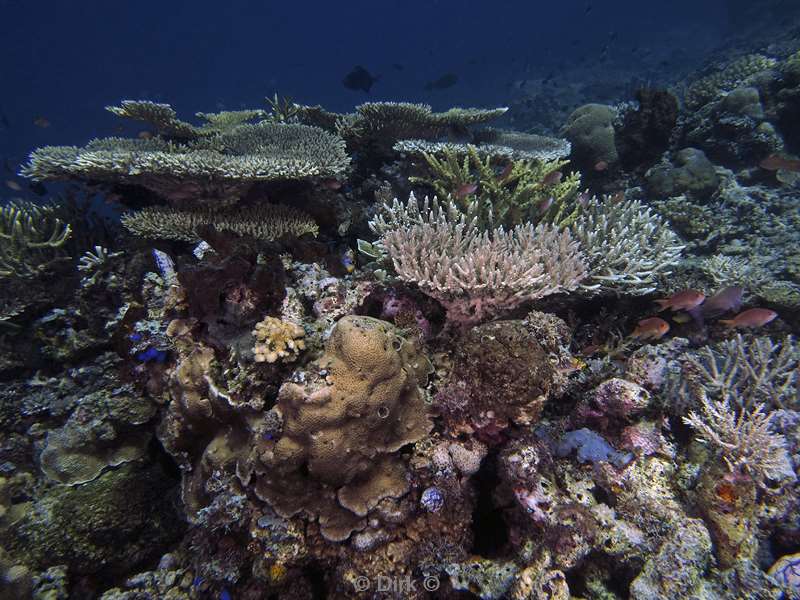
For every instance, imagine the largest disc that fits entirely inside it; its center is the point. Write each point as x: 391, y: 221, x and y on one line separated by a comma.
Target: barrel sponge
x: 372, y: 403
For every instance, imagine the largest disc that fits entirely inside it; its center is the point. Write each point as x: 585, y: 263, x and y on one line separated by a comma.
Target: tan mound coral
x: 335, y: 459
x: 278, y: 340
x: 263, y: 222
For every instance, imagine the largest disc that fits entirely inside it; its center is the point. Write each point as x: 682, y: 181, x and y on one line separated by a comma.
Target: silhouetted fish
x: 727, y: 299
x: 397, y: 66
x: 359, y: 79
x: 445, y: 81
x: 37, y: 187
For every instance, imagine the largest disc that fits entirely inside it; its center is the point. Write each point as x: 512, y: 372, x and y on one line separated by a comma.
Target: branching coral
x: 742, y: 438
x: 263, y: 222
x: 31, y: 238
x: 163, y: 118
x: 212, y: 169
x: 476, y: 274
x: 505, y: 192
x: 628, y: 247
x: 278, y: 340
x: 745, y: 371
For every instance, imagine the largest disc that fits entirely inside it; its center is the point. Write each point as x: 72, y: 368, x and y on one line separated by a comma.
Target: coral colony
x: 322, y: 349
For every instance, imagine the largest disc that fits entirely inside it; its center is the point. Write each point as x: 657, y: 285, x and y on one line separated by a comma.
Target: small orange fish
x: 552, y: 178
x: 13, y: 185
x: 41, y: 122
x: 465, y: 190
x: 685, y: 300
x: 775, y: 162
x: 505, y: 173
x: 600, y: 166
x: 545, y: 205
x: 617, y: 198
x: 653, y: 328
x: 753, y: 317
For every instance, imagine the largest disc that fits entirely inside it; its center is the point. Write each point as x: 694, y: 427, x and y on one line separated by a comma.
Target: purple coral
x: 432, y: 499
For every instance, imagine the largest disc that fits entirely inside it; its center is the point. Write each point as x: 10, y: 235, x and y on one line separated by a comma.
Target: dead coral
x: 263, y: 222
x: 278, y: 340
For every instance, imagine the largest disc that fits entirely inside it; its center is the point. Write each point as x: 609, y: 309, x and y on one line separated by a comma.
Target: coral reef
x: 263, y: 222
x: 277, y: 340
x: 31, y: 239
x: 211, y: 170
x: 590, y: 130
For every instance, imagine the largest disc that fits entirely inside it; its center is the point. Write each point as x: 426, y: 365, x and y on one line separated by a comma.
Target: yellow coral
x: 277, y: 339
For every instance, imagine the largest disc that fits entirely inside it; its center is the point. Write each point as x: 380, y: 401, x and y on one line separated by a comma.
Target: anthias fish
x: 775, y: 162
x: 727, y: 299
x: 652, y: 328
x: 685, y: 300
x: 752, y: 317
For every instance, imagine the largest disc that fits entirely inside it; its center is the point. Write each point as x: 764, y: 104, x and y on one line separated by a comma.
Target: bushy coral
x: 31, y: 239
x: 263, y: 222
x: 476, y: 275
x: 628, y: 247
x: 278, y: 340
x: 726, y: 78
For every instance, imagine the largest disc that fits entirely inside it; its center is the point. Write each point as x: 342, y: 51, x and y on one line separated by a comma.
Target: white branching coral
x: 478, y: 274
x: 742, y: 438
x: 264, y: 222
x: 747, y: 371
x: 628, y: 246
x: 278, y: 340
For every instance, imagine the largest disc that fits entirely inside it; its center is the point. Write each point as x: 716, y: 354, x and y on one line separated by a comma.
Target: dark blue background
x: 66, y: 60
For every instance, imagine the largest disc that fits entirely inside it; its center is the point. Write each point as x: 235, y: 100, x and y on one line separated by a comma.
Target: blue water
x: 66, y: 60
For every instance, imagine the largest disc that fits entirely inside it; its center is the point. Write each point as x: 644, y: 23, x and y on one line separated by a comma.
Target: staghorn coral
x: 265, y: 222
x: 476, y: 275
x: 522, y: 190
x: 213, y: 169
x: 31, y: 239
x: 278, y: 340
x: 744, y: 370
x: 742, y: 439
x: 628, y: 247
x: 336, y: 459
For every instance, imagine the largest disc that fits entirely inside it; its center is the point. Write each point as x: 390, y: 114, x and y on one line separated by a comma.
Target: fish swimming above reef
x: 753, y: 317
x: 42, y: 122
x: 775, y: 162
x: 359, y: 79
x: 653, y: 328
x: 685, y: 300
x: 727, y: 299
x: 447, y: 80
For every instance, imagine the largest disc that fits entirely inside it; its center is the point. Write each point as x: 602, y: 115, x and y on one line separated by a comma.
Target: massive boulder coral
x: 336, y: 458
x: 590, y: 130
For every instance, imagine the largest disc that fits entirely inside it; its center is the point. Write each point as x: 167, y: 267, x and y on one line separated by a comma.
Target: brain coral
x: 335, y: 459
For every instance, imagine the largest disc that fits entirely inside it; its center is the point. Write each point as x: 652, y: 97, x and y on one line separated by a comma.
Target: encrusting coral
x: 31, y: 239
x: 264, y: 222
x: 278, y: 340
